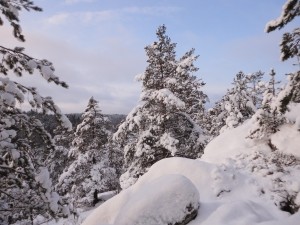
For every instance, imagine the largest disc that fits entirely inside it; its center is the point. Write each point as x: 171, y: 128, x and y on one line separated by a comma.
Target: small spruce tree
x: 91, y: 171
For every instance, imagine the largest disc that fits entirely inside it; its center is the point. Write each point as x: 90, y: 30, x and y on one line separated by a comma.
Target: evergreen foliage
x: 268, y: 118
x: 237, y: 103
x: 162, y: 125
x: 92, y: 168
x: 290, y: 44
x: 26, y: 189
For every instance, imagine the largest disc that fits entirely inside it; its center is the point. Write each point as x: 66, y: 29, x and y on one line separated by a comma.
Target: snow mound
x: 230, y: 143
x: 234, y: 142
x: 287, y: 140
x: 239, y: 213
x: 165, y: 200
x: 242, y: 190
x: 170, y: 181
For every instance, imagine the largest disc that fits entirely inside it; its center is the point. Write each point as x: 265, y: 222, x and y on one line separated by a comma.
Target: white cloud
x: 58, y: 18
x: 105, y: 15
x: 107, y: 74
x: 152, y: 11
x: 69, y: 2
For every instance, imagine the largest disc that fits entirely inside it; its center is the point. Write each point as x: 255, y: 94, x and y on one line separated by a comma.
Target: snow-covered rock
x: 169, y: 199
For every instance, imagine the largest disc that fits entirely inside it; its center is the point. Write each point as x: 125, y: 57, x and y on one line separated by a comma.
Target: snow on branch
x: 290, y: 10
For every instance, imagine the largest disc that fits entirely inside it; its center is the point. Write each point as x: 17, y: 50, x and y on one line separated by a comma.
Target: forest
x: 171, y: 160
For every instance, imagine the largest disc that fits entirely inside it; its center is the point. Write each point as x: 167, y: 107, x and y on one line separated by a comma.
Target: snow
x: 162, y: 201
x: 155, y: 188
x: 238, y: 200
x: 169, y: 143
x: 293, y: 114
x: 287, y: 140
x: 32, y: 64
x: 106, y: 195
x: 167, y: 97
x: 239, y: 181
x: 220, y: 148
x: 47, y: 72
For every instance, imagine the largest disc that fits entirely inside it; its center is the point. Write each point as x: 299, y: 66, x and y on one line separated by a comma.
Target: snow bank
x: 154, y: 193
x: 234, y: 142
x: 238, y: 213
x: 228, y: 196
x: 230, y: 143
x: 287, y: 140
x: 165, y: 200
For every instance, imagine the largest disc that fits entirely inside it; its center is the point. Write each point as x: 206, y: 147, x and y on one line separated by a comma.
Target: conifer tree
x: 268, y: 118
x: 59, y: 159
x: 26, y: 189
x: 91, y: 171
x: 162, y: 125
x: 256, y: 87
x: 289, y: 97
x: 290, y: 44
x: 216, y: 118
x: 189, y: 88
x: 238, y: 103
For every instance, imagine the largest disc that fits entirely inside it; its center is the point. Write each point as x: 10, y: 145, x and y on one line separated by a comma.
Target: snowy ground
x: 238, y: 181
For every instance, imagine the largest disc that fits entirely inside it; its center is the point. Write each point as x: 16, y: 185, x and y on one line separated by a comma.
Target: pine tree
x: 290, y: 47
x: 256, y: 87
x: 26, y: 189
x: 92, y: 169
x: 237, y: 103
x: 268, y: 118
x: 290, y: 44
x: 59, y: 159
x: 216, y: 118
x: 188, y: 87
x: 162, y: 125
x: 91, y: 131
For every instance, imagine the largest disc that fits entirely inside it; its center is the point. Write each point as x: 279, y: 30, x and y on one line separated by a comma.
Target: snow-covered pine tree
x: 289, y: 98
x: 58, y: 159
x: 256, y: 87
x: 91, y: 131
x: 91, y: 170
x: 26, y: 189
x: 290, y: 44
x: 188, y: 87
x: 238, y: 103
x: 216, y: 118
x: 161, y: 125
x: 267, y: 118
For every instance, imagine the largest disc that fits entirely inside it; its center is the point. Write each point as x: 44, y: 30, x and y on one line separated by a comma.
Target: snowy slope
x: 239, y: 181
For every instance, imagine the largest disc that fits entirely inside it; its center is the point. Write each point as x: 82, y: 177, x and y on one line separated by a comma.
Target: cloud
x: 70, y: 2
x: 58, y: 18
x: 106, y: 15
x: 152, y: 11
x: 108, y: 75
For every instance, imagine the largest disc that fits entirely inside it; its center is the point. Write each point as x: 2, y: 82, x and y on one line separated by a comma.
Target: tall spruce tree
x: 161, y: 125
x: 91, y: 171
x: 26, y: 189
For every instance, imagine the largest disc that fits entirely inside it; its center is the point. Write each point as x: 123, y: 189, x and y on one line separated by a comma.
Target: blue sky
x: 97, y: 47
